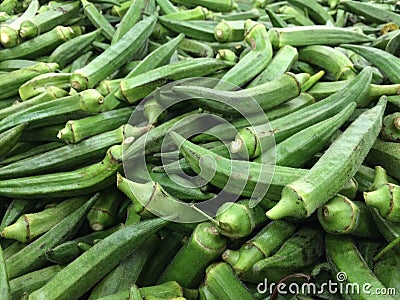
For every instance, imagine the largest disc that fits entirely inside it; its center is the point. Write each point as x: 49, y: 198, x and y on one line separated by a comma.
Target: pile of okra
x: 82, y: 88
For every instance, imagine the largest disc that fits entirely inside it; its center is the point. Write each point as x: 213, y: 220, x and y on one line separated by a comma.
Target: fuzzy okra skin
x: 103, y: 213
x: 10, y: 137
x: 97, y: 19
x: 65, y: 184
x: 339, y: 163
x: 114, y: 57
x: 387, y: 155
x: 32, y: 256
x: 81, y: 274
x: 343, y: 256
x: 204, y: 246
x: 5, y: 293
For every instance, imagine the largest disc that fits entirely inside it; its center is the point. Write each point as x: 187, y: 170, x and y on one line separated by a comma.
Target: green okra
x: 10, y: 137
x: 222, y: 282
x: 329, y: 59
x: 117, y: 281
x: 81, y: 129
x: 121, y: 9
x: 56, y: 111
x: 298, y: 36
x: 238, y: 219
x: 81, y: 274
x: 197, y: 13
x: 98, y: 20
x: 343, y: 256
x: 391, y: 128
x: 315, y: 11
x: 371, y: 13
x: 159, y: 57
x: 42, y: 134
x: 195, y: 29
x: 221, y: 6
x: 196, y: 48
x: 276, y: 20
x: 10, y: 82
x: 302, y: 249
x: 45, y: 21
x: 298, y: 17
x: 8, y: 6
x: 386, y: 199
x: 119, y: 53
x: 153, y: 111
x: 385, y: 154
x: 268, y: 95
x: 169, y: 245
x: 229, y: 31
x: 255, y: 36
x: 70, y: 50
x: 385, y: 269
x: 32, y: 257
x: 66, y: 252
x: 227, y: 55
x: 252, y: 14
x: 81, y: 61
x: 42, y: 44
x: 281, y: 62
x: 12, y: 249
x: 267, y: 241
x: 66, y: 184
x: 204, y: 245
x: 103, y: 213
x: 340, y: 215
x: 339, y: 163
x: 38, y: 84
x: 387, y: 63
x: 281, y: 110
x: 140, y: 86
x: 32, y: 281
x: 16, y: 208
x: 30, y: 226
x: 393, y: 45
x: 167, y: 7
x: 5, y: 293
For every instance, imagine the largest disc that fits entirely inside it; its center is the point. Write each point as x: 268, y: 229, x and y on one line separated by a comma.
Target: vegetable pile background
x: 75, y: 225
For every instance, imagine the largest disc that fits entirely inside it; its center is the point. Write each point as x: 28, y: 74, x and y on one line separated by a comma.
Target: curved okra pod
x: 4, y: 283
x: 10, y: 82
x: 391, y: 128
x: 81, y: 129
x: 70, y: 50
x: 65, y: 184
x: 340, y: 162
x: 245, y: 70
x: 140, y: 86
x: 56, y: 111
x: 81, y: 274
x: 205, y: 245
x: 222, y: 282
x: 119, y: 53
x: 329, y: 59
x: 267, y: 241
x: 29, y: 226
x: 296, y: 150
x: 340, y: 215
x: 32, y: 256
x: 103, y: 212
x: 237, y: 219
x: 37, y: 84
x: 387, y: 155
x: 42, y: 44
x: 298, y: 36
x: 343, y: 256
x: 64, y: 253
x: 302, y: 249
x: 98, y: 20
x: 47, y: 20
x: 10, y: 137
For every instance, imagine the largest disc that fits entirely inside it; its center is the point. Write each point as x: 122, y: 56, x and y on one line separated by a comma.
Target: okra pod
x: 5, y: 293
x: 10, y: 82
x: 42, y: 44
x: 386, y: 199
x: 391, y: 128
x: 197, y: 29
x: 10, y: 137
x: 315, y: 10
x: 29, y: 226
x: 387, y: 155
x: 56, y: 111
x: 222, y: 282
x: 48, y: 19
x: 204, y: 245
x: 104, y: 210
x: 16, y: 208
x: 81, y: 274
x: 98, y: 20
x: 340, y: 215
x: 229, y: 31
x: 119, y: 53
x: 298, y: 17
x: 32, y: 257
x: 221, y: 6
x: 337, y: 165
x: 302, y: 249
x: 73, y: 183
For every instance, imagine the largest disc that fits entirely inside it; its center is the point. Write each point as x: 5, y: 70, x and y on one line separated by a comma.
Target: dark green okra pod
x: 98, y: 20
x: 387, y: 155
x: 204, y: 246
x: 391, y: 128
x: 10, y: 137
x: 5, y: 292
